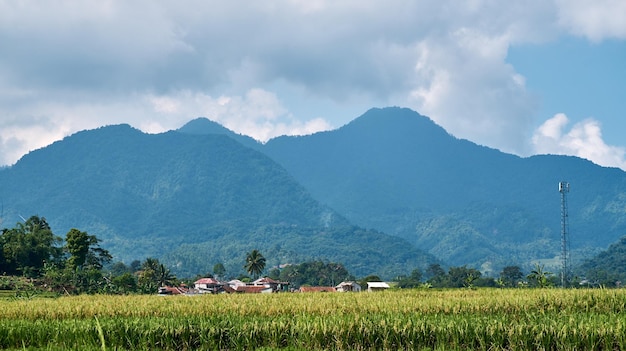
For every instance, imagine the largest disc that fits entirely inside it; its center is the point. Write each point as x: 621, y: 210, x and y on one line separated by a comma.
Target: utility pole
x: 564, y: 189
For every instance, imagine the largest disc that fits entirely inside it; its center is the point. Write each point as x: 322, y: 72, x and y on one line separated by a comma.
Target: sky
x: 525, y: 77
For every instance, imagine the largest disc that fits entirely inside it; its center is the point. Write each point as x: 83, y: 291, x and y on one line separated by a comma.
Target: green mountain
x: 191, y: 200
x: 203, y: 194
x: 395, y: 170
x: 607, y: 268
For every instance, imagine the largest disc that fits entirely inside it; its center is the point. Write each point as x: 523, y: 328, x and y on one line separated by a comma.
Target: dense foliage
x: 28, y: 247
x: 608, y: 268
x: 313, y: 273
x: 31, y: 250
x: 461, y: 319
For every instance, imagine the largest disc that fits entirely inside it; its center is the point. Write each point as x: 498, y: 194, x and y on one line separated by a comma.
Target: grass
x: 463, y: 319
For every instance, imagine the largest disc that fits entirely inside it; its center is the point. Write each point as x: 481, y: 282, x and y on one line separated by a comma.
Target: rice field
x: 461, y: 319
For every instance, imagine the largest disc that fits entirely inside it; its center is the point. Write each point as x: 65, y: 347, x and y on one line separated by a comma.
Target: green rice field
x: 461, y: 319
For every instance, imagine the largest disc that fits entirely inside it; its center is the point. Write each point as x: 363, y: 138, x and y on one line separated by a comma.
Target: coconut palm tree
x: 255, y: 263
x: 165, y: 276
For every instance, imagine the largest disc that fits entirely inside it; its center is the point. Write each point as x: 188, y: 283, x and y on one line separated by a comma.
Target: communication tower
x: 564, y: 189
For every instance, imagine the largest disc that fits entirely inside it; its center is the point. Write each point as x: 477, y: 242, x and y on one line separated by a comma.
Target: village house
x: 173, y: 290
x: 377, y: 286
x: 274, y: 285
x: 348, y: 287
x: 208, y: 286
x: 214, y: 286
x: 235, y: 283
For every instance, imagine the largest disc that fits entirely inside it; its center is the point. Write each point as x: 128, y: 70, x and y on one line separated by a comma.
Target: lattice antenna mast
x: 564, y: 189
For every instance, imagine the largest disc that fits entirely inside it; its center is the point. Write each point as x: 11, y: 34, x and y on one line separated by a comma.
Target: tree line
x: 319, y: 273
x: 78, y: 264
x: 75, y: 264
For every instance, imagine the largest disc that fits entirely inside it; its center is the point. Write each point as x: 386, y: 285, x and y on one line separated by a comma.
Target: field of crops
x: 494, y: 319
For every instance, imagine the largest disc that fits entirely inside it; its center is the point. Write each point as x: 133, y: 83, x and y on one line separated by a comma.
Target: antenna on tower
x: 564, y: 189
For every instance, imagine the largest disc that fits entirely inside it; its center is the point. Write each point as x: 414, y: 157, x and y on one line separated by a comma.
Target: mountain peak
x: 203, y: 125
x: 395, y: 120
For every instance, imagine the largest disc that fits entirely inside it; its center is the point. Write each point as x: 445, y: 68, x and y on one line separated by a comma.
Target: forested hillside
x: 191, y: 200
x: 203, y: 195
x: 608, y: 268
x: 397, y: 171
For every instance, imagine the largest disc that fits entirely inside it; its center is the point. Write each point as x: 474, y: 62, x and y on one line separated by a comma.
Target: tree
x: 165, y: 276
x: 125, y: 283
x: 255, y: 263
x: 219, y: 270
x: 274, y: 273
x: 135, y: 266
x: 84, y: 250
x: 511, y: 275
x: 463, y: 276
x: 119, y: 268
x: 412, y: 281
x: 28, y: 247
x: 77, y: 245
x: 152, y: 275
x: 437, y: 276
x: 82, y: 271
x: 540, y: 277
x: 434, y: 270
x: 315, y: 273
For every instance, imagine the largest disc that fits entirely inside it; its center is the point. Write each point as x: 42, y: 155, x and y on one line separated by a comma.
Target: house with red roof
x: 275, y: 285
x: 208, y: 285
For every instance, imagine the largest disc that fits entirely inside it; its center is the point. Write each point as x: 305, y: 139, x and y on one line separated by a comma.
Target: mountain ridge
x: 419, y: 182
x: 150, y: 194
x: 391, y: 170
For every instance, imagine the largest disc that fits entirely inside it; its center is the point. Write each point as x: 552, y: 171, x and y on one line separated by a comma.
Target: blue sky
x: 525, y: 77
x: 579, y: 78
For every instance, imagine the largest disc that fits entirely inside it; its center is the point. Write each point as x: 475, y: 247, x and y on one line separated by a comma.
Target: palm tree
x: 165, y: 276
x: 540, y: 276
x: 255, y: 263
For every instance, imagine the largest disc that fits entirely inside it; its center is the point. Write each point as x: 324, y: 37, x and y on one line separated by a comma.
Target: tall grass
x: 490, y: 319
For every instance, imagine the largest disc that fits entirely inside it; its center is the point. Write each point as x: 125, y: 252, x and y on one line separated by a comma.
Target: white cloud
x: 466, y: 86
x: 257, y: 113
x: 594, y: 19
x: 584, y: 140
x: 156, y: 64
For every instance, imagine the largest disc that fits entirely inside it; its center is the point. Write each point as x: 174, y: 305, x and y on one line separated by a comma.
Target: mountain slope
x: 151, y: 195
x: 608, y: 267
x: 397, y: 171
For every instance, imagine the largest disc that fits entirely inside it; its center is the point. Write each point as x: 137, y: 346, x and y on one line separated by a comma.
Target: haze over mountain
x: 190, y: 200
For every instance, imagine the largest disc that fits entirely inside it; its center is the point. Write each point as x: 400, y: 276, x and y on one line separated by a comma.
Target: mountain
x: 204, y: 126
x: 608, y: 267
x: 395, y: 170
x: 204, y: 194
x: 191, y: 200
